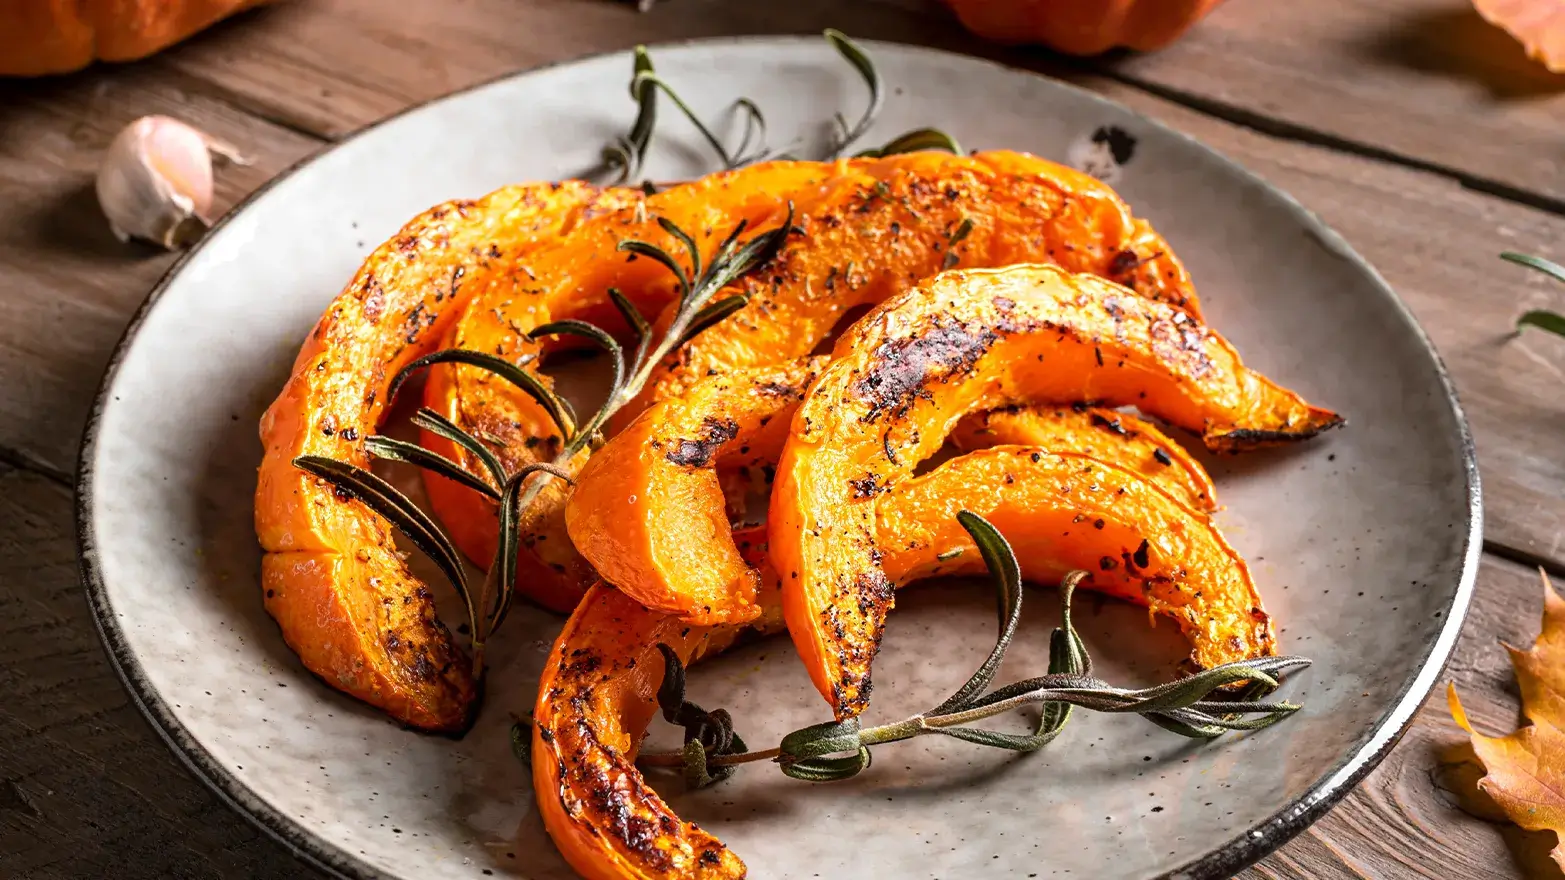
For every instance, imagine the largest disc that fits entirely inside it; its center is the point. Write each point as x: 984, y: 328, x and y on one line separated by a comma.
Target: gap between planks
x: 1283, y: 129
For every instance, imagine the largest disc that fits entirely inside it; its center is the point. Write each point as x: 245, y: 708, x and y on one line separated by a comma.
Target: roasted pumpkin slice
x: 1063, y: 511
x: 1105, y: 434
x: 907, y: 217
x: 570, y: 279
x: 649, y: 512
x: 345, y: 601
x: 1059, y: 512
x: 959, y: 343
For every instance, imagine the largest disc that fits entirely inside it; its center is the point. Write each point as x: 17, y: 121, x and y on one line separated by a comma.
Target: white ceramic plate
x: 1364, y: 542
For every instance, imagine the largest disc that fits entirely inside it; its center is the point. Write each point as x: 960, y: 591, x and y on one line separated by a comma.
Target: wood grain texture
x: 87, y: 790
x: 67, y: 286
x: 1426, y: 80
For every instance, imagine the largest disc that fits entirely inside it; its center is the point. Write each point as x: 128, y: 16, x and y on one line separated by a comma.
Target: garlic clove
x: 155, y: 183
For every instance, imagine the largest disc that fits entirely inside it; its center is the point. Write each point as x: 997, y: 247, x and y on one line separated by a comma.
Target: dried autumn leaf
x: 1538, y: 24
x: 1525, y: 770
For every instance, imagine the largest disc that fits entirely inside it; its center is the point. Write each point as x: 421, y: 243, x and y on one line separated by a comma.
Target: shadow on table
x: 1460, y: 44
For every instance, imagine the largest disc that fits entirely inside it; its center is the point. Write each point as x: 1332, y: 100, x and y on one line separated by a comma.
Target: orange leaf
x: 1538, y: 24
x: 1525, y: 771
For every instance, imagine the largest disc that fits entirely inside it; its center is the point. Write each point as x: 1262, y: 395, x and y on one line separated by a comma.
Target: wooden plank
x: 67, y: 286
x: 1429, y: 80
x: 86, y: 788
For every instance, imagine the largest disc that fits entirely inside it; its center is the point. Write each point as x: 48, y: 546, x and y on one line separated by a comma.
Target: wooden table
x: 1423, y: 135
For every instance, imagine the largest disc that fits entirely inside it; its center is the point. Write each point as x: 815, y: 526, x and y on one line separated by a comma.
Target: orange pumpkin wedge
x: 570, y: 278
x: 905, y: 218
x: 649, y: 509
x: 1105, y: 434
x: 598, y: 690
x: 959, y: 343
x: 333, y: 580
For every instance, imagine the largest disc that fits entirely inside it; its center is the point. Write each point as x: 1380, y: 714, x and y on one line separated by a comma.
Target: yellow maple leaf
x: 1525, y: 771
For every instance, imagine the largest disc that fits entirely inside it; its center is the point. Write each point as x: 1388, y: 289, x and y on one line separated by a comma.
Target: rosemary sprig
x: 839, y: 750
x: 626, y: 154
x: 697, y: 282
x: 861, y: 62
x: 1543, y: 319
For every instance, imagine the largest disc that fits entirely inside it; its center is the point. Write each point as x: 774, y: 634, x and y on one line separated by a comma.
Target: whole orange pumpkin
x: 1082, y: 27
x: 39, y: 37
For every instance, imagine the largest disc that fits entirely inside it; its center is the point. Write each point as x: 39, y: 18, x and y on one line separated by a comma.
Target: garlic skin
x: 155, y: 182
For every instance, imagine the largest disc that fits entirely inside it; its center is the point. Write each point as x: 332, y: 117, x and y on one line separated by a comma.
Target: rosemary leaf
x: 650, y: 79
x: 591, y: 332
x: 712, y: 313
x: 638, y: 325
x: 412, y: 453
x: 917, y: 140
x: 628, y: 153
x: 559, y: 410
x: 861, y: 62
x: 1543, y: 319
x: 1007, y: 576
x: 819, y: 740
x: 437, y: 424
x: 1548, y: 267
x: 652, y: 251
x: 754, y: 129
x: 828, y: 769
x: 381, y: 497
x: 502, y: 572
x: 691, y: 251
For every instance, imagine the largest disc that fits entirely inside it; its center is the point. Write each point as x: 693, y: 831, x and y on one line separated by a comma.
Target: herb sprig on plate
x: 832, y: 751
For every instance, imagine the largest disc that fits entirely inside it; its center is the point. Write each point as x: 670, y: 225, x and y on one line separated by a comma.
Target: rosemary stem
x: 676, y: 759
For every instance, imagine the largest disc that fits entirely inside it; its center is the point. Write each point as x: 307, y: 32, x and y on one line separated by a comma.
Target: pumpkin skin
x: 333, y: 580
x: 39, y: 37
x: 962, y: 342
x: 1082, y: 27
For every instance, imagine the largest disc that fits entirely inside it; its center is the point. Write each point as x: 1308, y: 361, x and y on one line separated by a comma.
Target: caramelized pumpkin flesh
x: 570, y: 279
x: 1060, y: 511
x: 1105, y: 434
x: 649, y: 511
x: 905, y: 218
x: 903, y: 377
x: 332, y: 577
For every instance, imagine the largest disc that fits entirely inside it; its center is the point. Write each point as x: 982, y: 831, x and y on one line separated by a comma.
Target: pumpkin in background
x: 1082, y: 27
x: 39, y: 37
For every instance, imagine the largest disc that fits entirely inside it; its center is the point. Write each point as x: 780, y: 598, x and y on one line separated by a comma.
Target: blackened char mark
x: 903, y: 368
x: 699, y: 452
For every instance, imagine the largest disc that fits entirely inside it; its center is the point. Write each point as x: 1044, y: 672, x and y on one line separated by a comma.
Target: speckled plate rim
x: 1223, y: 861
